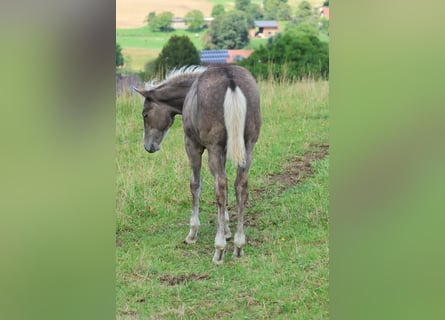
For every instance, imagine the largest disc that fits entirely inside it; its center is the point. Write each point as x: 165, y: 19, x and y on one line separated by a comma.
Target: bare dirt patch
x: 296, y: 171
x: 300, y: 168
x: 174, y: 280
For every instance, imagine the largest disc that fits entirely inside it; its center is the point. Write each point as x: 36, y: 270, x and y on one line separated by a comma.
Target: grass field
x: 142, y: 45
x: 146, y: 39
x: 284, y: 274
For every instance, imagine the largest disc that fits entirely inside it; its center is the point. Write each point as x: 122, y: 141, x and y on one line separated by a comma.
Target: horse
x: 220, y: 108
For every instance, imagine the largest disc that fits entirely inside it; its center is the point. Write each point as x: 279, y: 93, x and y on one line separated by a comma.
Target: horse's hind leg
x: 194, y: 153
x: 216, y: 165
x: 227, y: 233
x: 241, y: 189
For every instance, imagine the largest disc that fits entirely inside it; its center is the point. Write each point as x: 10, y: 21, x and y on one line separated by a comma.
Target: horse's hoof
x: 189, y: 241
x: 218, y: 258
x: 238, y: 252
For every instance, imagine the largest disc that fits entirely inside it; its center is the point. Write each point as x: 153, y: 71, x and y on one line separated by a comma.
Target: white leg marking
x: 194, y: 227
x: 220, y: 247
x: 238, y: 243
x: 227, y: 233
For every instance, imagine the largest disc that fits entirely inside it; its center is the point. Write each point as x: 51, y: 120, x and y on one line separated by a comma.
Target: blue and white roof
x: 266, y: 24
x: 214, y: 56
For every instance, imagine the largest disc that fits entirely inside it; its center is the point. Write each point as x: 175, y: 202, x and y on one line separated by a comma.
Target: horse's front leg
x: 194, y: 153
x: 216, y: 165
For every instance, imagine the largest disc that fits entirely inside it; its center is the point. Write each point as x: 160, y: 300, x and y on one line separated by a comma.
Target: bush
x: 291, y: 56
x: 119, y: 56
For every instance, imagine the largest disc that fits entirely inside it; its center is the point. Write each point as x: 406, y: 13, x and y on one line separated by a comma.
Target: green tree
x: 179, y: 51
x: 304, y: 10
x: 195, y: 20
x: 151, y: 15
x: 276, y: 10
x: 291, y: 56
x: 217, y: 10
x: 119, y: 57
x: 241, y: 5
x: 161, y: 22
x: 229, y: 31
x: 253, y: 12
x: 326, y: 3
x: 308, y: 28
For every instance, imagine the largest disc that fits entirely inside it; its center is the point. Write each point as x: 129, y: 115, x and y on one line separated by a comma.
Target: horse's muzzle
x: 152, y: 148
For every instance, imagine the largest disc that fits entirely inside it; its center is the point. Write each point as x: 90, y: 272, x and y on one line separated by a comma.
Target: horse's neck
x: 174, y: 93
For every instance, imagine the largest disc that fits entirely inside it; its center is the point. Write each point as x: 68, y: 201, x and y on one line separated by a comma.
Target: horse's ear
x: 143, y: 93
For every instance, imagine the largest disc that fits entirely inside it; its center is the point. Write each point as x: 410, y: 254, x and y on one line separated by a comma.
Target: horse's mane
x: 175, y: 74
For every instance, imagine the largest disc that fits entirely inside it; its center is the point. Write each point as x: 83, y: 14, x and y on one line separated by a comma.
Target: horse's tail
x: 235, y: 120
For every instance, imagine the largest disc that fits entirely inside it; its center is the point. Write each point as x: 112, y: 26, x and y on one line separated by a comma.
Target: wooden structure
x: 264, y: 29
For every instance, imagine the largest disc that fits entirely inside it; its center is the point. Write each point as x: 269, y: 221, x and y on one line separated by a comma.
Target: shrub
x: 292, y: 56
x: 119, y: 56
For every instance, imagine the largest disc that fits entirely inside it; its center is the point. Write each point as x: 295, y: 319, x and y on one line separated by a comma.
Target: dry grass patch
x: 136, y: 58
x: 132, y: 13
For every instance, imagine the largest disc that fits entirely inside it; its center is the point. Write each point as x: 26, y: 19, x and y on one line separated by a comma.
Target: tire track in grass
x: 295, y: 172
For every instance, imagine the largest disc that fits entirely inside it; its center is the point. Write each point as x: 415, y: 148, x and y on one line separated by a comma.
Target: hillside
x: 140, y: 45
x: 132, y: 13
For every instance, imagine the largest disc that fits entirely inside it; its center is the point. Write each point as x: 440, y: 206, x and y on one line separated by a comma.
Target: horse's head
x: 158, y: 118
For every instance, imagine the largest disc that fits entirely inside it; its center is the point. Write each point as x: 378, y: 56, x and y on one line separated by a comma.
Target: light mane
x: 175, y: 74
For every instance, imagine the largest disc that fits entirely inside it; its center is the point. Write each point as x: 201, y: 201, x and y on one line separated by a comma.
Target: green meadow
x: 146, y: 39
x: 284, y: 273
x: 142, y: 45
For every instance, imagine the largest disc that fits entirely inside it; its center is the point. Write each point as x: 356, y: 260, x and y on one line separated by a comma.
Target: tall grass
x: 284, y: 274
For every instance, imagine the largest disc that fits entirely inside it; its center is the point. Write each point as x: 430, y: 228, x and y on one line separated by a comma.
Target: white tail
x: 235, y: 119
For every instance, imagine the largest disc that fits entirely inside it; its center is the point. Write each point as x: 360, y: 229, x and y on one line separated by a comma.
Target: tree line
x: 297, y: 51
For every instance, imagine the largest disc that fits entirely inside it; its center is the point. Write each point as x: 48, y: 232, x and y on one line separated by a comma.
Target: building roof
x: 238, y: 55
x: 324, y: 12
x: 223, y: 56
x: 214, y: 56
x: 266, y: 24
